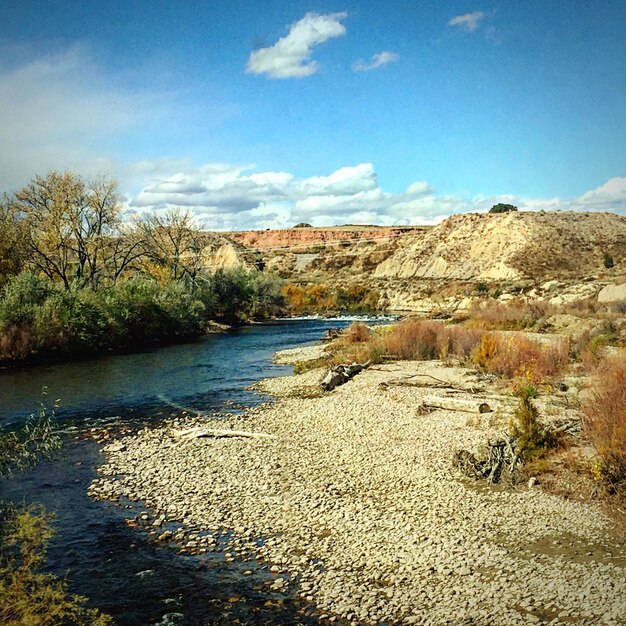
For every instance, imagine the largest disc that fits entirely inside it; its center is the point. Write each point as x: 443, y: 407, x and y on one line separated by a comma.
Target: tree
x: 502, y: 208
x: 69, y: 224
x: 172, y: 243
x: 13, y: 241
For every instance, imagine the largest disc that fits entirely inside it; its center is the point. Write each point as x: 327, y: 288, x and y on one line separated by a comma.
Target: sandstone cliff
x: 304, y: 237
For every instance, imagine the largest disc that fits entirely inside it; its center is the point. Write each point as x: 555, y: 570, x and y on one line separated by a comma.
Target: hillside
x: 511, y: 246
x: 552, y: 256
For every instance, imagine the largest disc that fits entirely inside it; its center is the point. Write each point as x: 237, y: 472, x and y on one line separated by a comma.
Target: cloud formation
x: 229, y: 197
x: 469, y: 21
x: 290, y: 57
x: 377, y: 60
x: 55, y: 108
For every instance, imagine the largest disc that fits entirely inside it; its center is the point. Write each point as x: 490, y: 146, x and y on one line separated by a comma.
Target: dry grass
x: 516, y: 356
x: 605, y: 421
x: 424, y: 340
x: 515, y: 315
x: 357, y: 332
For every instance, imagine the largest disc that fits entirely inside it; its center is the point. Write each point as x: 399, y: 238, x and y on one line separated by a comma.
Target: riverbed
x: 101, y: 555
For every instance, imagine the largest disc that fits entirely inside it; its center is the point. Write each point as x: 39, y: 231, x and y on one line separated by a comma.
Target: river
x: 101, y: 557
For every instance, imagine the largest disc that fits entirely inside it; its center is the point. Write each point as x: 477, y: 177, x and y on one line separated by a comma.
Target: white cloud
x: 609, y: 195
x: 378, y: 60
x: 469, y: 21
x: 55, y: 108
x: 346, y: 180
x: 235, y: 197
x: 290, y: 57
x: 419, y: 188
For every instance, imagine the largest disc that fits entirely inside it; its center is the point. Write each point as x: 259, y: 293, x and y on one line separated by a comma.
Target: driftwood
x: 502, y: 460
x: 438, y: 384
x: 195, y: 433
x: 455, y: 404
x: 340, y: 374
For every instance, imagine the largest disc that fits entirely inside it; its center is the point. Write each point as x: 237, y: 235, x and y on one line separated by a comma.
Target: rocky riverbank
x: 353, y: 503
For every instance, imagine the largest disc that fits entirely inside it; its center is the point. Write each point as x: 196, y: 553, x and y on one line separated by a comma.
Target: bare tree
x: 173, y: 243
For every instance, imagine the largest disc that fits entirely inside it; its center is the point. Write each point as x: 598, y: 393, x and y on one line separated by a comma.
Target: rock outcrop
x: 613, y: 293
x: 304, y: 237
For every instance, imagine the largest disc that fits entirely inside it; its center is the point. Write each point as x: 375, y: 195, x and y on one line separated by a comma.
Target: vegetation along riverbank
x: 76, y: 278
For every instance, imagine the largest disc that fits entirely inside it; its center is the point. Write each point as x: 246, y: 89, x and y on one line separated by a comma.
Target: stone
x: 612, y: 293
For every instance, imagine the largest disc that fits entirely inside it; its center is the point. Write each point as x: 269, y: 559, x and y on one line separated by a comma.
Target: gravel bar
x: 355, y: 506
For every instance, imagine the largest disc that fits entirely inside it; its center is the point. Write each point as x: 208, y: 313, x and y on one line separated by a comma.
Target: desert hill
x: 564, y: 256
x: 511, y: 246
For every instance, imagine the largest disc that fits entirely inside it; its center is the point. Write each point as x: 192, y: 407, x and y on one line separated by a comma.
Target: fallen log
x: 455, y: 404
x: 195, y: 433
x: 340, y: 374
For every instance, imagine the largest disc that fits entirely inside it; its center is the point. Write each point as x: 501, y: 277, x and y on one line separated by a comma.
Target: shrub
x: 357, y: 332
x: 589, y: 348
x: 425, y: 339
x: 514, y: 355
x: 72, y: 318
x: 605, y: 421
x: 134, y: 314
x: 371, y: 351
x: 20, y: 298
x: 515, y: 315
x: 416, y: 339
x: 502, y: 208
x: 532, y: 437
x: 27, y: 595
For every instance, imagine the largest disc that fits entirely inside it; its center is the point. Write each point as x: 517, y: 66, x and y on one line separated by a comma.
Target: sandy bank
x: 361, y: 511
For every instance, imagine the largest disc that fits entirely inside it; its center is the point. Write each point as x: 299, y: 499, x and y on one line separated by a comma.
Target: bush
x: 502, y: 208
x: 36, y: 314
x: 516, y: 315
x: 605, y: 421
x: 424, y: 339
x: 532, y: 437
x: 27, y: 595
x: 20, y: 298
x: 357, y: 332
x: 514, y: 355
x: 71, y: 318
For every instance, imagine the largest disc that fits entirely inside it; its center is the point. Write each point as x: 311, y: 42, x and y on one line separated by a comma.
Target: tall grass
x: 514, y: 315
x: 512, y: 355
x: 509, y: 355
x: 424, y: 340
x: 605, y: 421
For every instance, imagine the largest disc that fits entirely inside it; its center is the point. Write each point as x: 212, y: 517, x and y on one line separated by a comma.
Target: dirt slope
x: 510, y: 246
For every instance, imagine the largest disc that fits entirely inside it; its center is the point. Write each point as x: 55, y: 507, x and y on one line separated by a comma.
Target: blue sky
x: 257, y: 114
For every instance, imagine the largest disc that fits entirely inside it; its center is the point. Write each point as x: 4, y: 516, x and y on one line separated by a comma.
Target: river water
x: 101, y: 557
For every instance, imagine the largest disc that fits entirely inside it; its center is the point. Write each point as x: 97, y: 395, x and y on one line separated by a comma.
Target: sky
x: 255, y: 113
